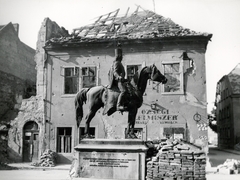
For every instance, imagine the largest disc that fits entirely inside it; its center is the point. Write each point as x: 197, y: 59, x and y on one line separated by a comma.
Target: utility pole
x: 153, y: 5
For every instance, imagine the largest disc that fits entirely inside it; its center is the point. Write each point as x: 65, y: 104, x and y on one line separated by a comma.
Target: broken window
x: 89, y: 77
x: 131, y: 70
x: 71, y: 80
x: 174, y: 74
x: 174, y: 133
x: 137, y: 131
x: 64, y: 140
x: 91, y: 132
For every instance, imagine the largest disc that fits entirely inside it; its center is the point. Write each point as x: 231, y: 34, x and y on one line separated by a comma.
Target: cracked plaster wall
x: 17, y: 80
x: 31, y: 110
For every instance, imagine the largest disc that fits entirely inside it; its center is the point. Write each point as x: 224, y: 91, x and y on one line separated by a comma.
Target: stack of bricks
x: 47, y: 159
x: 176, y: 160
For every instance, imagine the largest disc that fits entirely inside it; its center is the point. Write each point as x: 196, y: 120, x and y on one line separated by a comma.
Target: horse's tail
x: 80, y: 98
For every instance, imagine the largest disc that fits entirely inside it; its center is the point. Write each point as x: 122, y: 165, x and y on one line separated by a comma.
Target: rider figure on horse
x: 116, y: 77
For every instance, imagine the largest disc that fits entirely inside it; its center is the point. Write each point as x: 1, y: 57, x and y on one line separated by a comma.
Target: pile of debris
x: 3, y: 149
x: 230, y: 166
x: 5, y: 166
x: 47, y: 159
x: 176, y: 160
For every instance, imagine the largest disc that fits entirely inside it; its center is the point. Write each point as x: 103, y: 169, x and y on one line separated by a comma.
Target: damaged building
x: 227, y: 104
x: 68, y: 62
x: 17, y: 79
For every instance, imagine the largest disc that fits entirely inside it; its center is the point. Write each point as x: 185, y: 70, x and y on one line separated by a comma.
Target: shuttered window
x: 64, y: 140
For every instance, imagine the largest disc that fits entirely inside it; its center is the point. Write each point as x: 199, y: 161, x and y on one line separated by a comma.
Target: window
x: 71, y: 80
x: 228, y: 111
x: 131, y: 70
x: 89, y: 77
x: 220, y: 115
x: 64, y: 140
x: 174, y: 132
x: 27, y: 136
x: 91, y: 132
x: 137, y: 131
x: 173, y: 72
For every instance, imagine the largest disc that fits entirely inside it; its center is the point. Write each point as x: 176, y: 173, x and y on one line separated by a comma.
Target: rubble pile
x: 4, y: 159
x: 3, y: 149
x: 176, y: 160
x: 230, y: 166
x: 47, y: 159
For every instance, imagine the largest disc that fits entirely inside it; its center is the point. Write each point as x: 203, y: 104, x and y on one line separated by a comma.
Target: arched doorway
x: 30, y: 141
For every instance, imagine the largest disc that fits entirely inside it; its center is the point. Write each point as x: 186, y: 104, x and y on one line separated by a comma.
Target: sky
x: 218, y: 17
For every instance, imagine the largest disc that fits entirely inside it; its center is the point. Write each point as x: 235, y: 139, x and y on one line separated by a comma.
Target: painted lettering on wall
x: 160, y: 116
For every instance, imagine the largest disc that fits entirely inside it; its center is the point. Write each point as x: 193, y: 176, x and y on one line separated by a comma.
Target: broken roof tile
x: 140, y: 24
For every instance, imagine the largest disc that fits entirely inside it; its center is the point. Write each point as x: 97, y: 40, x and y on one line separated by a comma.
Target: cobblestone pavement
x: 218, y: 176
x: 47, y: 174
x: 60, y: 172
x: 34, y: 174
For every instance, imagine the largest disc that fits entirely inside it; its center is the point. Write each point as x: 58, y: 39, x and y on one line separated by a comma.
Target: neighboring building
x: 17, y: 74
x: 66, y: 63
x: 227, y: 109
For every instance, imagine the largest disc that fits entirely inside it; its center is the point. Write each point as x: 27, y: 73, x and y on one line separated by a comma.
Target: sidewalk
x: 230, y: 151
x: 226, y: 150
x: 28, y: 166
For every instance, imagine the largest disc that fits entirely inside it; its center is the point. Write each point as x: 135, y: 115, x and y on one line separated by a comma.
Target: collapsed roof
x: 142, y: 24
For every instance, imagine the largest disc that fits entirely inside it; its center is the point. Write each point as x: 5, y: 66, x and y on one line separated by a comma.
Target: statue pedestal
x: 110, y: 159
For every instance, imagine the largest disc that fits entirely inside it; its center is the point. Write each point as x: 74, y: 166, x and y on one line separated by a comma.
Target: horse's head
x: 156, y: 75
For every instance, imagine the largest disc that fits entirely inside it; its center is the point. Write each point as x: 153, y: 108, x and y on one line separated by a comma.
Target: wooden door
x: 30, y: 142
x: 35, y: 144
x: 27, y: 147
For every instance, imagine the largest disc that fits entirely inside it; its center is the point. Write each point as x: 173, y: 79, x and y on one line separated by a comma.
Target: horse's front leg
x: 131, y: 123
x: 128, y: 130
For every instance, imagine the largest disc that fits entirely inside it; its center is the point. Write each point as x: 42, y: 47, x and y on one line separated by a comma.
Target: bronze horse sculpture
x: 100, y: 96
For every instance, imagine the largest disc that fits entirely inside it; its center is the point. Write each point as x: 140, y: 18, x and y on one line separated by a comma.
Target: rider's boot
x: 120, y: 106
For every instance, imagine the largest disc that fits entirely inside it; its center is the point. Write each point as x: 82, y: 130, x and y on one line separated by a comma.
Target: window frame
x: 81, y: 76
x: 141, y: 127
x: 63, y: 74
x: 72, y: 139
x: 180, y: 62
x: 143, y: 64
x: 134, y: 65
x: 82, y: 125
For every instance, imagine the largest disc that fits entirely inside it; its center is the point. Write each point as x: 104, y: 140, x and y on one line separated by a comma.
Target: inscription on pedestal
x: 109, y: 165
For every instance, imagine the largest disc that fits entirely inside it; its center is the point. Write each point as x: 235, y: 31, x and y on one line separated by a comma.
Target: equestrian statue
x: 120, y: 95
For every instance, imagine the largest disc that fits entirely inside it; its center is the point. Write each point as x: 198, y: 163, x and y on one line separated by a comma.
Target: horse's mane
x: 137, y: 76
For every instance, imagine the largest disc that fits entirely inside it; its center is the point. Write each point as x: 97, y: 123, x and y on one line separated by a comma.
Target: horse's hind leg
x: 89, y: 117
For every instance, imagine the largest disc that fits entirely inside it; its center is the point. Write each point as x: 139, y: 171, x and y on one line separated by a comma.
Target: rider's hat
x: 118, y: 52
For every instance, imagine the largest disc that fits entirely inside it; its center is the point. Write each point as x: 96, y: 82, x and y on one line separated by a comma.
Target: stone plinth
x: 110, y: 159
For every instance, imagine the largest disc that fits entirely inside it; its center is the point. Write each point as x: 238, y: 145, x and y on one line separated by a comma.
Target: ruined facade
x: 17, y: 70
x: 17, y: 77
x: 27, y: 141
x: 227, y: 109
x: 66, y: 63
